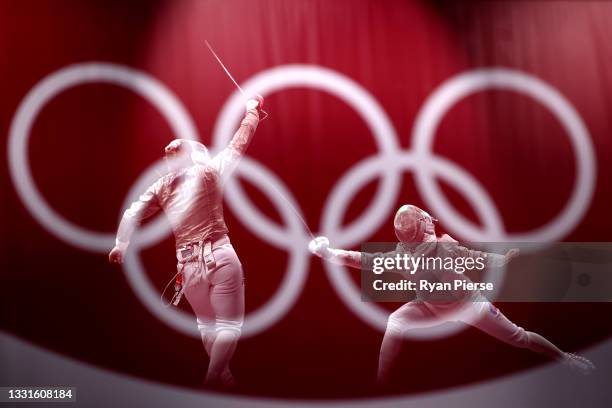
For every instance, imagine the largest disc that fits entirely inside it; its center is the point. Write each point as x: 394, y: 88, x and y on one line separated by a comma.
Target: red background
x: 90, y: 144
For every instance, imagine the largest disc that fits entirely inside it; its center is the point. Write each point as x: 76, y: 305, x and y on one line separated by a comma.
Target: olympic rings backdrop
x: 492, y: 117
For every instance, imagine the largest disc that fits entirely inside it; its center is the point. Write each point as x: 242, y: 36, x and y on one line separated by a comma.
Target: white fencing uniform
x: 192, y: 198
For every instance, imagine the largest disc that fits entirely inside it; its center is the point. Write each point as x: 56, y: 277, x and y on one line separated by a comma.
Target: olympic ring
x: 19, y: 164
x: 462, y: 85
x: 389, y: 163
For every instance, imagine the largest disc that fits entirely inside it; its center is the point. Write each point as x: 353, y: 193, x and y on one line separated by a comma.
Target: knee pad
x: 206, y: 326
x: 228, y: 325
x: 394, y: 326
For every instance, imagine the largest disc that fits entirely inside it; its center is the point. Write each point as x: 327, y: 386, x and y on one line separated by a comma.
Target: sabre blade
x: 294, y: 209
x: 224, y: 68
x: 230, y: 76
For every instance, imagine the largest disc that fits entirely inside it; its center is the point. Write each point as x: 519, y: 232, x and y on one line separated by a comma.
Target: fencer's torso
x: 191, y: 196
x: 192, y: 199
x: 440, y: 247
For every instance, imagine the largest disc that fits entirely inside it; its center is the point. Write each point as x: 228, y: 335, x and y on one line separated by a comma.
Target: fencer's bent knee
x: 229, y: 325
x: 394, y: 326
x: 205, y: 326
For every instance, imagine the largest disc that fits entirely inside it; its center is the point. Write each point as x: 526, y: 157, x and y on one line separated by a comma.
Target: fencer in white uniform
x: 415, y: 230
x: 209, y: 271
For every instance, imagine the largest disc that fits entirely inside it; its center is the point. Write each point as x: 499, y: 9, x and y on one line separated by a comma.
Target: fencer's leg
x: 389, y: 350
x: 221, y: 353
x: 489, y: 319
x: 227, y: 300
x: 539, y: 344
x: 412, y: 315
x: 198, y: 297
x: 208, y: 333
x: 492, y: 321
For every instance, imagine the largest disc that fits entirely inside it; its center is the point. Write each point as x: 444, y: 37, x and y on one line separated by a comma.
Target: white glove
x: 320, y: 247
x: 252, y: 104
x: 116, y: 255
x: 256, y: 102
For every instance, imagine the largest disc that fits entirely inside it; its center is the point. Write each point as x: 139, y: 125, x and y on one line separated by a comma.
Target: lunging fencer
x: 415, y: 230
x: 209, y: 272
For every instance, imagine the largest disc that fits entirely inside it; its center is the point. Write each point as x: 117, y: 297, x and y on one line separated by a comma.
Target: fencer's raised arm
x: 226, y: 160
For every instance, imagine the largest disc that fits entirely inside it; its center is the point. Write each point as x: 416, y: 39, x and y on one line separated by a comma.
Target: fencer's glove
x: 116, y: 255
x: 256, y: 102
x: 511, y: 254
x: 320, y: 247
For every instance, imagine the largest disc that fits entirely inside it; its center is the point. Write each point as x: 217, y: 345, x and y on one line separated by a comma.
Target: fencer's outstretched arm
x: 320, y: 247
x: 146, y: 205
x: 360, y: 260
x: 491, y: 259
x: 226, y: 160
